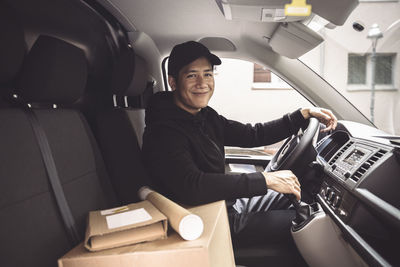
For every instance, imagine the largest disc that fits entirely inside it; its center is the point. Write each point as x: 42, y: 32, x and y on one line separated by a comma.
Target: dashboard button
x: 331, y: 195
x: 328, y: 191
x: 336, y: 201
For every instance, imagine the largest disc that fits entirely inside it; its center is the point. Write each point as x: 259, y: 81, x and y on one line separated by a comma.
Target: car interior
x: 76, y: 77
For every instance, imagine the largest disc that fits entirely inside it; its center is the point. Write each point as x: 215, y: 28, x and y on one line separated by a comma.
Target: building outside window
x: 263, y: 79
x: 261, y: 74
x: 359, y: 75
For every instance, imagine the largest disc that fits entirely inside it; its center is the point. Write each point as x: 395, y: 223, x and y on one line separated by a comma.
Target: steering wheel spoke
x: 293, y: 151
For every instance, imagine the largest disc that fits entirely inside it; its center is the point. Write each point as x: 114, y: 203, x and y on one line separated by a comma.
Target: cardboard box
x: 121, y: 226
x: 213, y: 248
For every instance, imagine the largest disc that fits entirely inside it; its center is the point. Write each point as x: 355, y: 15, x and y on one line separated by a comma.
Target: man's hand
x: 283, y: 182
x: 325, y: 116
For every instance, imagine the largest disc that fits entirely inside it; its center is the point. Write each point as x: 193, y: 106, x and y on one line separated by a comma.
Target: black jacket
x: 184, y: 153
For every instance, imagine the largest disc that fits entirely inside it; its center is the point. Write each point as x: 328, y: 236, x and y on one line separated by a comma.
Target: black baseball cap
x: 185, y: 53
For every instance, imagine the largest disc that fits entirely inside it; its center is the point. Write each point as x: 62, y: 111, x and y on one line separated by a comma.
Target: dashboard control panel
x: 347, y: 163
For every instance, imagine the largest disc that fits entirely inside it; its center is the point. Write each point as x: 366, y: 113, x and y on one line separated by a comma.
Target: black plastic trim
x: 103, y: 13
x: 390, y: 213
x: 371, y: 257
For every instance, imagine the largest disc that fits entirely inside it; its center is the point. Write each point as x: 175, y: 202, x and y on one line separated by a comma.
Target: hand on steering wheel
x: 292, y: 155
x: 325, y: 116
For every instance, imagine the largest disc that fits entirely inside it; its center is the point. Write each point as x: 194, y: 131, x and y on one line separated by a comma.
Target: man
x: 183, y: 150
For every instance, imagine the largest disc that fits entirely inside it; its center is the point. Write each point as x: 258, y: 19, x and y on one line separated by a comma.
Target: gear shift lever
x: 303, y: 210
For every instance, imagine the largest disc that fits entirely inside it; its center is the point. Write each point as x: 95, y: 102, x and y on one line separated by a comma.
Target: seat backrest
x: 12, y: 50
x: 120, y: 131
x: 33, y: 234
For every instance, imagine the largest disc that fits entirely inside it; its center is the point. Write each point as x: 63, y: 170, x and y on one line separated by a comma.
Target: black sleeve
x: 168, y: 159
x: 246, y: 135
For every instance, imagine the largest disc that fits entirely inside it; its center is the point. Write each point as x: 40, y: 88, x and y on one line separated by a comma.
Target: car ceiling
x: 169, y: 22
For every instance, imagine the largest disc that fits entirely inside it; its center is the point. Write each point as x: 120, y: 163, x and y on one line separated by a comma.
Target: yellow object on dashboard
x: 298, y: 8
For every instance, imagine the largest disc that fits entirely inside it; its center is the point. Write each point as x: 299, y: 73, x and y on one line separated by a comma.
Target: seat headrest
x: 12, y: 44
x: 124, y: 67
x: 54, y: 72
x: 141, y: 77
x: 130, y: 75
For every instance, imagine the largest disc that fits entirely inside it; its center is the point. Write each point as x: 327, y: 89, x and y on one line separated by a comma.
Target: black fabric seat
x: 12, y: 50
x: 120, y: 129
x: 32, y: 231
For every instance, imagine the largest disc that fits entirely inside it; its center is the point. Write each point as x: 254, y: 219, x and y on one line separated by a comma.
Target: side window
x: 251, y: 93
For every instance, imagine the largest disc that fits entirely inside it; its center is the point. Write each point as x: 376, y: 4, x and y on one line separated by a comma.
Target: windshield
x: 361, y: 60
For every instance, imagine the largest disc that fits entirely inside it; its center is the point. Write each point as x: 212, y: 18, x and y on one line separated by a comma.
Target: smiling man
x: 196, y: 85
x: 183, y: 149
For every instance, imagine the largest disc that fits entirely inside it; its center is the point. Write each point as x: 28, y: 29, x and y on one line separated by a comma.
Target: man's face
x: 195, y: 85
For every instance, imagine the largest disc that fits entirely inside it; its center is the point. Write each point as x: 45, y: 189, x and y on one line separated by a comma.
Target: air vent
x: 321, y: 141
x: 343, y: 149
x: 368, y: 164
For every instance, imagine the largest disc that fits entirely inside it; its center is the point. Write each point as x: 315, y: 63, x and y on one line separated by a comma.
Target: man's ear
x: 172, y: 82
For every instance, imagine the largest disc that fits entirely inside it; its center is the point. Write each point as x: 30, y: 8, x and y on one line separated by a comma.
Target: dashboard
x: 361, y: 192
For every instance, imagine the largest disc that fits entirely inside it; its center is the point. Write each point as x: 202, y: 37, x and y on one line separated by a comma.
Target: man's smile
x: 201, y: 93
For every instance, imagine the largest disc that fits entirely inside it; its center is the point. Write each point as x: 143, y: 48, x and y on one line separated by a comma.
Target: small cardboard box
x: 130, y: 224
x: 213, y: 248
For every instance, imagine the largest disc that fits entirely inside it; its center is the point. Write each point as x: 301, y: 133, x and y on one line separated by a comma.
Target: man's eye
x: 208, y: 74
x: 191, y: 76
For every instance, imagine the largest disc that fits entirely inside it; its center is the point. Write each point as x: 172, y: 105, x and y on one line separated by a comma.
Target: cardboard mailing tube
x: 188, y: 225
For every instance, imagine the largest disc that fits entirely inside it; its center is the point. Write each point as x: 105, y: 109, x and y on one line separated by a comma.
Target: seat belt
x: 53, y: 177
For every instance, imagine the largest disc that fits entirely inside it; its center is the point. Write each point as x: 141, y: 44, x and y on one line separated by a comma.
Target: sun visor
x: 294, y: 39
x: 335, y: 11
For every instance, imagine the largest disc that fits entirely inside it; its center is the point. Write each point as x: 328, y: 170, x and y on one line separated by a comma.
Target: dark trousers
x: 261, y: 220
x: 264, y: 222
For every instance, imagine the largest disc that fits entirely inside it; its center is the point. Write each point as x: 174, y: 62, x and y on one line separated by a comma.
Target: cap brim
x: 214, y: 59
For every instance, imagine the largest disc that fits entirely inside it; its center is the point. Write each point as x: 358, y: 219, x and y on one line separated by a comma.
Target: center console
x: 359, y: 204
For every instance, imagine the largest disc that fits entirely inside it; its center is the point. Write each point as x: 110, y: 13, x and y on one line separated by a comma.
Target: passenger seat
x: 32, y: 231
x: 120, y: 129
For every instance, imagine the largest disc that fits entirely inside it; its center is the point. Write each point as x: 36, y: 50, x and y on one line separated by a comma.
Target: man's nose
x: 200, y: 82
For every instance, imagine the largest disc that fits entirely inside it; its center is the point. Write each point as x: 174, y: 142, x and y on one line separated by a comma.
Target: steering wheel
x: 297, y: 150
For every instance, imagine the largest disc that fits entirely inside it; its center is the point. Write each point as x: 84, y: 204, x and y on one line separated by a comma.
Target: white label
x: 127, y: 218
x: 114, y: 210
